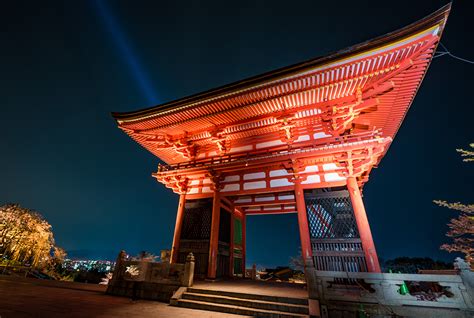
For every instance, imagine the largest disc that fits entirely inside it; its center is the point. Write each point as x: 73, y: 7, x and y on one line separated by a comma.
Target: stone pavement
x: 20, y: 297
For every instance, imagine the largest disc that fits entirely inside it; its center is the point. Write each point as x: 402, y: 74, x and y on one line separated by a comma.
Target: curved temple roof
x: 365, y: 89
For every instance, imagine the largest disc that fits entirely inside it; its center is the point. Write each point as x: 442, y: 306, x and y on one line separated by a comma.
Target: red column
x: 231, y: 246
x: 363, y: 226
x: 243, y: 244
x: 177, y: 228
x: 214, y: 239
x: 303, y: 222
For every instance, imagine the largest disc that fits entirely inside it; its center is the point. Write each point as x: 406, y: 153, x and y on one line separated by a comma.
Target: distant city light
x: 89, y: 265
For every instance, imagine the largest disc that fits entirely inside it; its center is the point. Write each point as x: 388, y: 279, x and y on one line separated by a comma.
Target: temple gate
x: 302, y: 139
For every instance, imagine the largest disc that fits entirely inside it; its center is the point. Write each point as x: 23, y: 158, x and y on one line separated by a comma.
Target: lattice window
x: 330, y: 215
x: 334, y: 236
x: 197, y: 220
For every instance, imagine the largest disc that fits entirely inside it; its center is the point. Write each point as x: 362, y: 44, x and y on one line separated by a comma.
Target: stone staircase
x: 240, y: 303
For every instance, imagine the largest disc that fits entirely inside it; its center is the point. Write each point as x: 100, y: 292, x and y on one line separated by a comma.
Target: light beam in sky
x: 127, y: 54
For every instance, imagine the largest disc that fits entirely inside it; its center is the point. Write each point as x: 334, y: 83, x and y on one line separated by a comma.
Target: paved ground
x: 256, y: 287
x: 35, y: 298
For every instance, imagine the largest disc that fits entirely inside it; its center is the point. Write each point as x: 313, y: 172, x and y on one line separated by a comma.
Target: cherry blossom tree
x: 26, y: 237
x: 461, y: 228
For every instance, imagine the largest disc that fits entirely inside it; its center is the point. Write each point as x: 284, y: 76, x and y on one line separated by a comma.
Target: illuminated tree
x: 461, y: 228
x: 26, y: 237
x: 469, y: 154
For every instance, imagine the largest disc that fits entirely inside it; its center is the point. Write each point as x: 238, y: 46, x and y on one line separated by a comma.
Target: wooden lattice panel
x: 334, y: 235
x: 197, y: 220
x: 330, y: 215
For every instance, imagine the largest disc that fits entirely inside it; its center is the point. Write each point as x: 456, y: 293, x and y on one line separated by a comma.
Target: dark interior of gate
x: 195, y: 238
x: 196, y: 233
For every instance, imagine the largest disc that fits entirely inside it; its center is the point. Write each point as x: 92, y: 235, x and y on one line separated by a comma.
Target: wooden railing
x: 344, y: 255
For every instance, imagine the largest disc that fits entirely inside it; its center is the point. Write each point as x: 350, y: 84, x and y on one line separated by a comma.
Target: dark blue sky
x: 63, y: 71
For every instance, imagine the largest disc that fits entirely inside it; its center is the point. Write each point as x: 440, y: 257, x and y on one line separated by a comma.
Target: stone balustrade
x: 150, y: 280
x: 385, y: 293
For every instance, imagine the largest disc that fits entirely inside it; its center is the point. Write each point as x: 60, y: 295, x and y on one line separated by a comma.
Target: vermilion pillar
x: 363, y: 226
x: 243, y: 244
x: 305, y: 238
x: 177, y: 229
x: 214, y: 239
x: 231, y: 246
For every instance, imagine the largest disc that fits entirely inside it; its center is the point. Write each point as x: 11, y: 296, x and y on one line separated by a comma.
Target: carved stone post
x: 118, y: 266
x: 313, y: 284
x: 118, y: 272
x: 467, y: 277
x: 188, y: 276
x: 254, y: 272
x: 310, y: 275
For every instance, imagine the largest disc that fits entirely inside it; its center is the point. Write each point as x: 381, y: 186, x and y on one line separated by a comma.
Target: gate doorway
x: 272, y: 239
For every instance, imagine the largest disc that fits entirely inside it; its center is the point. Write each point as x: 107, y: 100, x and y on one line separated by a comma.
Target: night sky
x: 66, y: 65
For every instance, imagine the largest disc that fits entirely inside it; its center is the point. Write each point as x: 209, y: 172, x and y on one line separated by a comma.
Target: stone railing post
x: 311, y: 282
x: 467, y: 277
x: 144, y: 266
x: 117, y: 275
x: 314, y: 290
x: 254, y: 272
x: 188, y: 276
x: 385, y: 294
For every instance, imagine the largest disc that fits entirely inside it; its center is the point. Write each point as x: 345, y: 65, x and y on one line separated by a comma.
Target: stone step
x: 237, y: 310
x: 276, y: 299
x: 249, y: 303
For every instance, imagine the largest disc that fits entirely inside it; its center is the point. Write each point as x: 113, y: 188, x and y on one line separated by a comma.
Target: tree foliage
x: 461, y: 228
x: 26, y: 237
x: 468, y: 154
x: 412, y: 265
